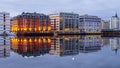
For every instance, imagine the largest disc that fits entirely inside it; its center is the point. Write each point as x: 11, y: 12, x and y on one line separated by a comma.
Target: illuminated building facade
x: 90, y: 24
x: 4, y: 23
x: 30, y: 23
x: 64, y: 22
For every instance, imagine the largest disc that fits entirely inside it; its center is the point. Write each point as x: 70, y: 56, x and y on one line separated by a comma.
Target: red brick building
x: 27, y: 23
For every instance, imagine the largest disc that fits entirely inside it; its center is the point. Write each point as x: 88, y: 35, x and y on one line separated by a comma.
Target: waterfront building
x: 115, y: 22
x: 64, y: 22
x: 4, y: 23
x: 90, y: 24
x: 30, y: 23
x: 105, y: 24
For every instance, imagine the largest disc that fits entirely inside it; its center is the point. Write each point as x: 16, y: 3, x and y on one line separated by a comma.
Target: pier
x: 109, y: 33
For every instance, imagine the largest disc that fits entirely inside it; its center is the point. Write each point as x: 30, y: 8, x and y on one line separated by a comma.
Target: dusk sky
x: 102, y: 8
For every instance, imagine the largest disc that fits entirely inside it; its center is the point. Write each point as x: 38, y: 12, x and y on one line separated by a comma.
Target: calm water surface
x: 60, y: 52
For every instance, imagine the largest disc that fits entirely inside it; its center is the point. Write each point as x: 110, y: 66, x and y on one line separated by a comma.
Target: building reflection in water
x: 105, y: 41
x: 115, y: 44
x: 62, y: 46
x: 90, y: 44
x: 4, y: 47
x: 31, y: 46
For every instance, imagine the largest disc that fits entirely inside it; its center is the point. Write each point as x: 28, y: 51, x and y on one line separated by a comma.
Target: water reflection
x: 31, y: 46
x: 4, y: 47
x: 115, y: 44
x: 62, y: 46
x: 86, y: 51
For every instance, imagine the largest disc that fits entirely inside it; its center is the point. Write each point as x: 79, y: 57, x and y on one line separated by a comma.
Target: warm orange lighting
x: 35, y: 29
x: 44, y: 28
x: 25, y: 29
x: 35, y: 40
x: 67, y: 39
x: 30, y: 40
x: 49, y: 28
x: 49, y: 40
x: 30, y: 29
x: 67, y: 29
x: 39, y: 28
x: 14, y: 41
x: 39, y: 40
x: 44, y: 40
x: 21, y: 25
x: 25, y: 40
x: 18, y: 29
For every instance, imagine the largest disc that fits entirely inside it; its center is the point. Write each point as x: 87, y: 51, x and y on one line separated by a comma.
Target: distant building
x: 65, y: 22
x: 4, y: 23
x: 90, y: 24
x: 30, y: 23
x: 115, y: 22
x: 105, y: 24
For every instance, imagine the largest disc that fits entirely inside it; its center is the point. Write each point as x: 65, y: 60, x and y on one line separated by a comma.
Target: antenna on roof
x: 116, y: 14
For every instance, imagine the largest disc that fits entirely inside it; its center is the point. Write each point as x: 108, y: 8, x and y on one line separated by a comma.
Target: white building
x: 90, y: 24
x: 4, y: 23
x: 115, y: 22
x: 65, y: 22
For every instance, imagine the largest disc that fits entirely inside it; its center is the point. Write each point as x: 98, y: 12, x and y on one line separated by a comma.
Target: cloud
x: 101, y: 8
